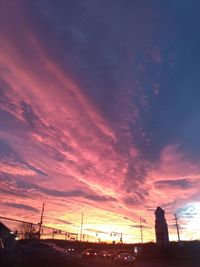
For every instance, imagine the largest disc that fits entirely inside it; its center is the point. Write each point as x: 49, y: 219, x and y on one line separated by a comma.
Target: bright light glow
x: 189, y: 218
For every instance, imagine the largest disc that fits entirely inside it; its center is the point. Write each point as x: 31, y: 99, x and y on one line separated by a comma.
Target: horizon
x: 99, y: 113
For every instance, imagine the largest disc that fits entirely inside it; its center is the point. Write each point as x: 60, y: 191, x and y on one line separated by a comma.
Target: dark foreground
x: 78, y: 262
x: 100, y: 263
x: 47, y: 254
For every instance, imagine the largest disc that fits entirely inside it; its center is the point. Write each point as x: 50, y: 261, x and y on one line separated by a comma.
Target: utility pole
x: 141, y: 230
x: 30, y: 230
x: 177, y: 227
x: 41, y: 220
x: 81, y: 233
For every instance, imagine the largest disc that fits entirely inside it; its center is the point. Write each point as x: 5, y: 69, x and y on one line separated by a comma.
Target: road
x: 108, y: 263
x: 79, y: 262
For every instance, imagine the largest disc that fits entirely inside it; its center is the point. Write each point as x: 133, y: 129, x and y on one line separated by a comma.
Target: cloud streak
x: 21, y: 206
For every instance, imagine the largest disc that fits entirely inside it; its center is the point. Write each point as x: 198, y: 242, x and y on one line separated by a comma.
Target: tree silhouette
x: 27, y: 231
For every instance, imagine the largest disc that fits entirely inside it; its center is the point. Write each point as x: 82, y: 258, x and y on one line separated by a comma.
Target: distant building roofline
x: 3, y: 227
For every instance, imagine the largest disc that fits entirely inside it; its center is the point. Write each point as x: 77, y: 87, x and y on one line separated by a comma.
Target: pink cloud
x: 15, y: 170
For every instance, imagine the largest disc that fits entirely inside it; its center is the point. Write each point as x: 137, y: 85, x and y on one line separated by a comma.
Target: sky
x: 99, y: 113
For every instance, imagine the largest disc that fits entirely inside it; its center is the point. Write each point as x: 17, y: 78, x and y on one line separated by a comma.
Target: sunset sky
x: 100, y: 113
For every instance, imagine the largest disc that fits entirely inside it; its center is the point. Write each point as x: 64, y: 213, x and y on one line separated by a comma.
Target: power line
x: 35, y: 224
x: 15, y: 220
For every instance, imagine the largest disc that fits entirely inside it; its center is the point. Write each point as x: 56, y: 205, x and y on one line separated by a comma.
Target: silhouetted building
x: 161, y: 228
x: 7, y: 246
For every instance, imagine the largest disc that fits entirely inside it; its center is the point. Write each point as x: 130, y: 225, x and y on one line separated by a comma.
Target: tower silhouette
x: 161, y: 228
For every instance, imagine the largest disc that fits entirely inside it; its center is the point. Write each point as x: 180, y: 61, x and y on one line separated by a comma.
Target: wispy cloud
x: 21, y: 206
